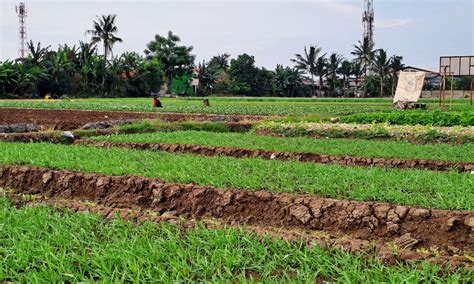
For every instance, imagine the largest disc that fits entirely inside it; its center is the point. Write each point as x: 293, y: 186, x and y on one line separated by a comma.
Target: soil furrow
x: 63, y: 119
x: 379, y: 249
x: 282, y: 155
x: 447, y: 232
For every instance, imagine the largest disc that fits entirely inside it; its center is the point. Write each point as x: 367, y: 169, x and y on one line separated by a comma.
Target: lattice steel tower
x: 21, y: 11
x: 368, y: 20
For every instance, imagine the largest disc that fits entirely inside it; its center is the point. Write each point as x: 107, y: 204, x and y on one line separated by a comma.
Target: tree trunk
x: 320, y: 85
x: 312, y: 85
x: 344, y: 86
x: 381, y: 86
x: 365, y: 84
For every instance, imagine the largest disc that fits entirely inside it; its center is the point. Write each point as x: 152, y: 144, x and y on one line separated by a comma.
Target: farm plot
x: 248, y: 207
x: 299, y: 109
x: 443, y: 190
x: 73, y: 119
x: 340, y: 147
x: 84, y: 247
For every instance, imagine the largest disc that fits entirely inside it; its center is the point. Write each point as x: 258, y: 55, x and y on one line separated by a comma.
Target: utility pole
x: 368, y: 19
x: 21, y: 11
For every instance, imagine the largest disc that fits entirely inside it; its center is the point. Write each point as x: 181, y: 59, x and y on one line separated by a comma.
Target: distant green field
x: 43, y: 245
x: 352, y: 147
x: 313, y: 108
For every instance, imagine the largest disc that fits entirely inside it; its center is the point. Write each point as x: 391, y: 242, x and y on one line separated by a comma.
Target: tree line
x: 79, y: 70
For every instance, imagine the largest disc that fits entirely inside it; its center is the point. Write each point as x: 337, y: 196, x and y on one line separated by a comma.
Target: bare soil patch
x: 412, y: 229
x: 74, y: 119
x: 280, y: 155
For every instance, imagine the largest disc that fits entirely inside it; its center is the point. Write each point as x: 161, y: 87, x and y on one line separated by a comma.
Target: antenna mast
x: 368, y: 20
x: 21, y: 11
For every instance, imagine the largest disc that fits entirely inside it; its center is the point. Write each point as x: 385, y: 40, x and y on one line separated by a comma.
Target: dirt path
x: 441, y: 232
x: 278, y: 155
x: 73, y: 119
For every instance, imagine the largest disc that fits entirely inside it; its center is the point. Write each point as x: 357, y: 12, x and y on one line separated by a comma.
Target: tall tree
x: 307, y: 62
x: 175, y: 58
x: 36, y: 53
x: 104, y: 31
x: 207, y: 77
x: 321, y: 70
x: 365, y: 55
x: 358, y: 72
x: 346, y: 71
x: 381, y: 65
x: 396, y: 66
x: 219, y: 62
x: 333, y: 68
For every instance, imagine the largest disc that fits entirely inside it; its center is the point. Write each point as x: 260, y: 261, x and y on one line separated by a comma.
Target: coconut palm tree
x: 307, y: 61
x: 321, y: 70
x: 395, y: 67
x: 357, y: 71
x: 37, y: 53
x: 333, y: 68
x: 365, y: 54
x: 219, y: 62
x: 207, y: 77
x: 381, y: 65
x: 346, y: 71
x: 104, y: 31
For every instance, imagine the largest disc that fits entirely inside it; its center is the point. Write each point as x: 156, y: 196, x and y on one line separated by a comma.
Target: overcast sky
x: 272, y: 31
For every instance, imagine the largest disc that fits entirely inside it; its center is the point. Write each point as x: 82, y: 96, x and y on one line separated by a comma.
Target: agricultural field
x: 247, y: 190
x: 296, y: 109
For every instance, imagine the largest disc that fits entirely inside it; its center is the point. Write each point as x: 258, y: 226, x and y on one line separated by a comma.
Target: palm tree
x: 307, y: 62
x: 395, y: 67
x: 37, y: 53
x: 207, y: 76
x: 365, y: 54
x: 357, y: 71
x: 321, y: 70
x: 333, y: 68
x: 381, y: 64
x: 346, y: 71
x: 219, y: 62
x: 104, y: 31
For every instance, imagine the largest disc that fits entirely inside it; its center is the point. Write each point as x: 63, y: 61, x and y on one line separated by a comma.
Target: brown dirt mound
x: 385, y: 252
x: 72, y: 119
x: 448, y: 232
x: 277, y: 155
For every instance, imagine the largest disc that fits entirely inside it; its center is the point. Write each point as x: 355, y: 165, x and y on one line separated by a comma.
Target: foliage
x: 207, y: 76
x: 446, y: 190
x: 308, y: 62
x: 46, y: 244
x: 104, y: 31
x: 180, y: 85
x: 342, y: 147
x: 437, y: 118
x: 176, y: 59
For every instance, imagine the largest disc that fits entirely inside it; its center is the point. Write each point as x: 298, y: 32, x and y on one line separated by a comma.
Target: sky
x: 273, y: 31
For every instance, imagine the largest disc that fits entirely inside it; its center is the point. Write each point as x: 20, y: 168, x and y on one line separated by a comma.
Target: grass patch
x: 352, y: 147
x: 40, y: 244
x: 320, y: 108
x: 414, y: 117
x: 443, y: 190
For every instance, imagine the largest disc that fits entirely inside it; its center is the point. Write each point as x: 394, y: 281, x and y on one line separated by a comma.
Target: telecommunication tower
x: 368, y: 20
x: 21, y: 11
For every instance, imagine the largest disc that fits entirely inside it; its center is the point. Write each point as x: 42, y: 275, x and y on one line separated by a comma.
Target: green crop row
x: 40, y: 244
x: 437, y: 118
x: 443, y: 190
x: 417, y: 134
x: 351, y: 147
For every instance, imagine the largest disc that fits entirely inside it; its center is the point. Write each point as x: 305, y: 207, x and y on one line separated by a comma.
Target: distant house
x: 432, y: 78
